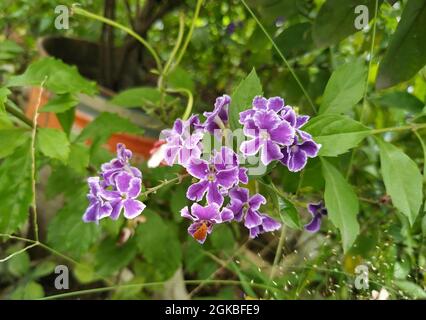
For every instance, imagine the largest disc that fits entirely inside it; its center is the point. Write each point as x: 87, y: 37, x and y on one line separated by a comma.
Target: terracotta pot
x: 89, y: 107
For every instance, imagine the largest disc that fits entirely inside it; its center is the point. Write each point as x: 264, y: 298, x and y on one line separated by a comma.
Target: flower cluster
x: 274, y: 131
x: 116, y: 189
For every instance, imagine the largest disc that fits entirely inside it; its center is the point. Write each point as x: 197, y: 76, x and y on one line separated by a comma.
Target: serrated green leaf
x: 403, y: 180
x: 242, y: 98
x: 53, y: 143
x: 111, y: 257
x: 60, y: 103
x: 15, y: 189
x: 406, y: 53
x: 341, y: 203
x: 345, y: 88
x: 136, y: 97
x: 10, y: 139
x: 336, y: 133
x: 67, y: 232
x: 167, y: 258
x: 60, y: 77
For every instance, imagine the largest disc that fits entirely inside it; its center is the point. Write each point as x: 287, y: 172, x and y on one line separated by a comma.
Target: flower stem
x: 189, y: 35
x: 33, y: 207
x: 13, y: 111
x: 163, y: 184
x: 189, y: 104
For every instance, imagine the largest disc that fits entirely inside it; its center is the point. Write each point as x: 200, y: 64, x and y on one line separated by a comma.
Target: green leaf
x: 296, y: 40
x: 9, y: 50
x: 242, y: 98
x: 10, y: 139
x: 67, y: 232
x: 105, y: 125
x: 28, y: 291
x: 111, y: 257
x: 66, y: 119
x: 166, y: 257
x: 18, y: 265
x: 335, y: 20
x: 4, y: 92
x: 336, y: 133
x: 79, y: 157
x: 136, y: 97
x: 411, y: 289
x: 401, y: 100
x: 60, y: 103
x: 341, y: 203
x: 403, y: 180
x: 15, y: 189
x: 53, y: 143
x: 406, y: 53
x: 345, y: 88
x: 180, y: 78
x: 61, y: 78
x: 289, y: 214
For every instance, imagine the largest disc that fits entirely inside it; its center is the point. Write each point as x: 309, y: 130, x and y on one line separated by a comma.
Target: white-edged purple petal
x: 196, y: 191
x: 198, y: 168
x: 132, y: 208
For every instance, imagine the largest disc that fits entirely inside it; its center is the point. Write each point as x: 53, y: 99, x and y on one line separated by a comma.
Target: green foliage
x: 342, y: 204
x: 336, y: 133
x: 401, y: 100
x: 242, y: 98
x: 296, y: 40
x: 60, y: 103
x: 53, y: 143
x: 4, y: 92
x: 402, y: 179
x: 159, y: 244
x: 407, y: 50
x: 135, y: 97
x: 345, y: 88
x: 10, y: 139
x: 335, y: 20
x: 289, y: 214
x: 58, y: 76
x: 15, y: 189
x: 67, y: 232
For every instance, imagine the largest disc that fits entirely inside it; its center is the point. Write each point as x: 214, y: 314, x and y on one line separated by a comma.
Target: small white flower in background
x: 157, y: 154
x: 382, y: 295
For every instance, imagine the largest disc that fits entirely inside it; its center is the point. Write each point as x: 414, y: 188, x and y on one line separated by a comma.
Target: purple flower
x: 268, y: 224
x: 117, y: 187
x: 204, y: 218
x: 181, y: 144
x: 128, y: 188
x: 98, y: 207
x: 221, y: 172
x: 318, y: 211
x: 296, y: 156
x: 245, y: 207
x: 119, y: 164
x: 218, y: 118
x: 274, y: 104
x: 269, y: 134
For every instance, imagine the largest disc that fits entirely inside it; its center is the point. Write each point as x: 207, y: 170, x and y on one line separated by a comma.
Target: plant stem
x: 163, y: 184
x: 33, y: 161
x: 154, y: 284
x: 18, y: 115
x: 19, y: 252
x: 413, y: 127
x: 293, y: 73
x: 76, y: 10
x: 189, y: 104
x: 189, y: 35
